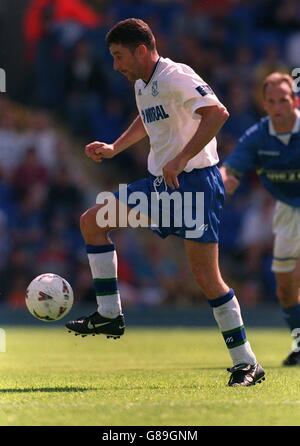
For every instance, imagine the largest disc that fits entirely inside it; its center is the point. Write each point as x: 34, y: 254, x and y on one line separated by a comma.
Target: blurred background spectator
x: 62, y: 93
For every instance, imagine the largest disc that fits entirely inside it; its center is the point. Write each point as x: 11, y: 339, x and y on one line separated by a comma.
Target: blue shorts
x: 191, y: 215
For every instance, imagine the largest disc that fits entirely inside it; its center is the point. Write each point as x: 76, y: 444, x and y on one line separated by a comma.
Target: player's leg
x: 102, y: 259
x: 286, y: 266
x: 108, y: 319
x: 288, y: 292
x: 287, y: 287
x: 204, y: 262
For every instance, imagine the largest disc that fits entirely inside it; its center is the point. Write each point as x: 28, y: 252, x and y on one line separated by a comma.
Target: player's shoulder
x: 176, y: 70
x: 257, y: 129
x: 253, y: 135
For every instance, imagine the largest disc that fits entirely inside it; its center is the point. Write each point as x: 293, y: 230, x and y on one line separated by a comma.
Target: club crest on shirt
x: 154, y: 88
x: 139, y: 92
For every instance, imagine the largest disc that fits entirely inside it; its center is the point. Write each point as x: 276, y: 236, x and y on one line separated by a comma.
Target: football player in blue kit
x: 181, y: 115
x: 272, y: 148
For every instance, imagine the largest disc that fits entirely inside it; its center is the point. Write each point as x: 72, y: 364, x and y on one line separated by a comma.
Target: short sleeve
x: 192, y: 91
x: 244, y: 156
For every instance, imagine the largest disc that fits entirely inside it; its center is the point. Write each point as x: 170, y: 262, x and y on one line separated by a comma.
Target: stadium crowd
x: 232, y: 44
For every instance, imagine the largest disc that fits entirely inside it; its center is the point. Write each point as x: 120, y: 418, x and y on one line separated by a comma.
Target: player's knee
x: 88, y: 222
x: 93, y: 225
x: 84, y: 219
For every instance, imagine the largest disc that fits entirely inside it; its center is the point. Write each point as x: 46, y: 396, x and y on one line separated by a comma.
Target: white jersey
x: 167, y: 105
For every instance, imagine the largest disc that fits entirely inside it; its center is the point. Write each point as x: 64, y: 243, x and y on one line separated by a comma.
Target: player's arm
x: 97, y: 150
x: 212, y: 119
x: 230, y: 179
x: 241, y: 160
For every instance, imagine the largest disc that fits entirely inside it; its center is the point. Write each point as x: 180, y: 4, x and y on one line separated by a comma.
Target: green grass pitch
x: 152, y: 377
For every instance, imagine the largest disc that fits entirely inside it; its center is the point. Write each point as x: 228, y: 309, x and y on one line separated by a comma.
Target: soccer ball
x: 49, y: 297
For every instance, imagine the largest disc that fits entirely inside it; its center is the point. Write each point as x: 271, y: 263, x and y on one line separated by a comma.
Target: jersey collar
x: 152, y: 74
x: 295, y: 129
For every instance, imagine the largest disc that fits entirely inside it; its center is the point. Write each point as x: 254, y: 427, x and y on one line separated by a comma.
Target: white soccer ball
x: 49, y: 297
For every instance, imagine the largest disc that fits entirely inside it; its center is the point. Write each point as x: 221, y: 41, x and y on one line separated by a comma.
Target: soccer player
x: 272, y: 147
x: 181, y: 115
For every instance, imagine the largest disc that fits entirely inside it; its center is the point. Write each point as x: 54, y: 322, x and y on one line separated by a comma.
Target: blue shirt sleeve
x: 244, y: 156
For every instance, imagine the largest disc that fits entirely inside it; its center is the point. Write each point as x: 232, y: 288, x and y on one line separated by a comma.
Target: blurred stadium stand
x: 62, y: 93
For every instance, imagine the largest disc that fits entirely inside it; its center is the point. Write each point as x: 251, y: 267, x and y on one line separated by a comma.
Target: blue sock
x: 292, y: 316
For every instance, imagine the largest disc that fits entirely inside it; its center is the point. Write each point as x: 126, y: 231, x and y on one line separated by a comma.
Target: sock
x: 227, y: 313
x: 292, y: 318
x: 104, y: 263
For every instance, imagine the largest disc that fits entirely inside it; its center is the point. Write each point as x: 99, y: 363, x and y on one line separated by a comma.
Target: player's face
x: 279, y: 102
x: 125, y: 61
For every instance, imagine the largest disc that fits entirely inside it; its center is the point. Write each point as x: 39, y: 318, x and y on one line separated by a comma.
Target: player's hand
x: 171, y: 171
x: 98, y: 151
x: 231, y: 183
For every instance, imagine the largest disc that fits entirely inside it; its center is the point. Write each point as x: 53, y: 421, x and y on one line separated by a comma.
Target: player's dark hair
x: 277, y: 78
x: 131, y: 33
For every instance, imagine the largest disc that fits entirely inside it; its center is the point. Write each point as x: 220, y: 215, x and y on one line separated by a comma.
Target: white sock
x: 227, y: 313
x: 104, y: 264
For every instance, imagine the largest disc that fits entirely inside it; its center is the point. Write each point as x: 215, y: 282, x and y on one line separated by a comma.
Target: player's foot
x: 292, y: 359
x: 246, y: 375
x: 96, y: 324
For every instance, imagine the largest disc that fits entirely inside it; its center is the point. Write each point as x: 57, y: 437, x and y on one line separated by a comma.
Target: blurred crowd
x: 71, y: 95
